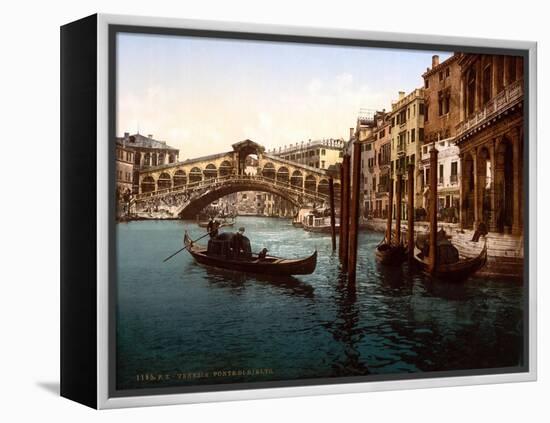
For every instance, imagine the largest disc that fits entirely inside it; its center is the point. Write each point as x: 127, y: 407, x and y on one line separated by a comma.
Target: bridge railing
x: 212, y: 182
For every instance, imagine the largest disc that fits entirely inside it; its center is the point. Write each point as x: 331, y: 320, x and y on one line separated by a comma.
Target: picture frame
x: 89, y: 295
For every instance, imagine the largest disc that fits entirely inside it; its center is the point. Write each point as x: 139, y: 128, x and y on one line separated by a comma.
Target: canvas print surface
x: 297, y: 212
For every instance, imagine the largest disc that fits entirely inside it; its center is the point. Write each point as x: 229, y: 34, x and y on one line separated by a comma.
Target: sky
x: 201, y: 95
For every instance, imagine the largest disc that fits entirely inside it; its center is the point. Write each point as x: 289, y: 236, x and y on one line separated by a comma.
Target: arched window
x: 164, y: 181
x: 297, y: 179
x: 310, y: 183
x: 225, y: 168
x: 148, y: 184
x: 323, y: 187
x: 268, y: 171
x: 180, y: 178
x: 195, y: 175
x: 282, y: 174
x: 210, y: 172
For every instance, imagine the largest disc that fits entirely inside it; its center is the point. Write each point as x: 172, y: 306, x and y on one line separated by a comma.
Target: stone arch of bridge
x: 199, y: 203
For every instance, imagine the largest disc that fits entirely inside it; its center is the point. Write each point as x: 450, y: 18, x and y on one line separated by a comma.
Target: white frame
x: 103, y: 400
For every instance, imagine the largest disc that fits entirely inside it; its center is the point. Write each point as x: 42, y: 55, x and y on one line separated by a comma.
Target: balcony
x: 510, y: 96
x: 401, y: 149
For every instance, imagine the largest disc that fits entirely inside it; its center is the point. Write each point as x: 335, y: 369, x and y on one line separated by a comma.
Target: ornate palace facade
x: 490, y: 138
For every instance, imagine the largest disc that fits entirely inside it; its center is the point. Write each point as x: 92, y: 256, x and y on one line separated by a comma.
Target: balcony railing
x: 401, y: 149
x: 503, y: 100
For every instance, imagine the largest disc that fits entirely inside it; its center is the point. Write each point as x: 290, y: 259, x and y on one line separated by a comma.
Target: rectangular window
x: 487, y: 83
x: 323, y: 152
x: 413, y: 133
x: 426, y: 83
x: 447, y: 72
x: 421, y: 108
x: 421, y: 134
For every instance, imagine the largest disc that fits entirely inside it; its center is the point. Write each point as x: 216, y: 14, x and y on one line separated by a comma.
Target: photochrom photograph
x: 291, y: 212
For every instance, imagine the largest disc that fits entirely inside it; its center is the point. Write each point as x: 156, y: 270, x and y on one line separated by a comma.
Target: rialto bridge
x: 185, y: 188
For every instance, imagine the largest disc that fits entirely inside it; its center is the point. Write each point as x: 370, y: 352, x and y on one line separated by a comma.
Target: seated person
x: 262, y: 254
x: 241, y: 245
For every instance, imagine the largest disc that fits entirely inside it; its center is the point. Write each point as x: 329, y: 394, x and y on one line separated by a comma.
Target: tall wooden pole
x: 410, y: 208
x: 341, y: 227
x: 354, y: 212
x: 345, y: 213
x: 398, y: 206
x: 389, y: 217
x: 332, y: 217
x: 433, y: 210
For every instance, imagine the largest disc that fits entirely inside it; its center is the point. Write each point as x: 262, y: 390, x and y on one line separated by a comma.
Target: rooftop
x: 138, y: 140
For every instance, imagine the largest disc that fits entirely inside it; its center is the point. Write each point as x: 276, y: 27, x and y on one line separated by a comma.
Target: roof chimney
x: 401, y: 95
x: 126, y: 135
x: 435, y: 60
x: 150, y: 136
x: 351, y: 131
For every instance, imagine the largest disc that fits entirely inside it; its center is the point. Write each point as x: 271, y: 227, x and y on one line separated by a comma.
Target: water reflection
x: 288, y: 285
x: 181, y: 315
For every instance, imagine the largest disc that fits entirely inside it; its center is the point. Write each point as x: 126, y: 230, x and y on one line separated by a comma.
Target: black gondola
x: 251, y: 263
x: 458, y: 269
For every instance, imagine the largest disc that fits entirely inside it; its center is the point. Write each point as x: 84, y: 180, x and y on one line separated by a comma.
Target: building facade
x: 382, y: 160
x: 407, y: 137
x: 317, y: 153
x: 148, y: 152
x: 490, y: 138
x: 441, y: 117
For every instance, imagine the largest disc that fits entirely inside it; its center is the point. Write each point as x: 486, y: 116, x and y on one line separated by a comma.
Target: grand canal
x: 178, y: 317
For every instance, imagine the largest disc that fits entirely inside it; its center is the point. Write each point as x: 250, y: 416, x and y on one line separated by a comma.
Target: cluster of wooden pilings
x: 350, y: 175
x: 349, y: 212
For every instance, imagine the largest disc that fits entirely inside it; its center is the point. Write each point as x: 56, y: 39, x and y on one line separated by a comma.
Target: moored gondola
x: 251, y: 263
x: 458, y: 269
x: 387, y: 253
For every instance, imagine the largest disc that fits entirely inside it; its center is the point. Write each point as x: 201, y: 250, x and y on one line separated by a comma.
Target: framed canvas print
x: 253, y: 211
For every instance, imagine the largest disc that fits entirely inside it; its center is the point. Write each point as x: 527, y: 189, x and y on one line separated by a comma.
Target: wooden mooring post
x: 340, y: 228
x: 389, y: 217
x: 332, y: 216
x: 344, y: 218
x: 433, y: 210
x: 410, y: 211
x: 398, y: 207
x: 354, y: 213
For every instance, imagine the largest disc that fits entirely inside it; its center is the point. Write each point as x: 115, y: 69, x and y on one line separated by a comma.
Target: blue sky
x: 201, y: 95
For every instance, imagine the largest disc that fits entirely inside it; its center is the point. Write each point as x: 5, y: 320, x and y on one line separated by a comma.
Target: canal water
x: 197, y: 325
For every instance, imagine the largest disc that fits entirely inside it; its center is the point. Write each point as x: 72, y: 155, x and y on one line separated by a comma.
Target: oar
x: 187, y: 246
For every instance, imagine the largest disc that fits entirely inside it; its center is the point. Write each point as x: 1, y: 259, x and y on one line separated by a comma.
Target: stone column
x: 479, y: 99
x: 462, y: 102
x: 516, y: 223
x: 476, y: 190
x: 461, y: 190
x: 493, y: 223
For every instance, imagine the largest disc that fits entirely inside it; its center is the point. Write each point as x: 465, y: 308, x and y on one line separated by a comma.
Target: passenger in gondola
x: 241, y: 245
x: 262, y: 254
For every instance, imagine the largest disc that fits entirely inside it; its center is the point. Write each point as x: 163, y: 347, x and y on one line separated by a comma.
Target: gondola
x: 456, y: 271
x: 224, y: 223
x: 391, y: 254
x: 269, y: 265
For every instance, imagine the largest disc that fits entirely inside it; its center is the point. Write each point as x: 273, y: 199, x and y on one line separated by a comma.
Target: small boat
x: 311, y: 223
x: 391, y: 254
x: 267, y: 265
x: 224, y: 223
x: 457, y: 270
x: 297, y: 224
